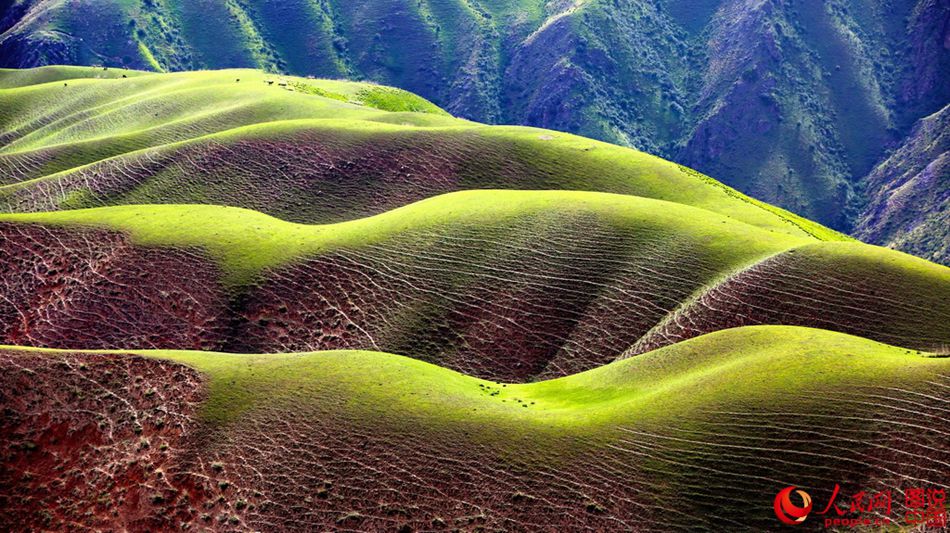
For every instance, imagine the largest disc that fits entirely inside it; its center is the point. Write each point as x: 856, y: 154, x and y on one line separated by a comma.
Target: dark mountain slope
x: 909, y: 207
x: 925, y: 87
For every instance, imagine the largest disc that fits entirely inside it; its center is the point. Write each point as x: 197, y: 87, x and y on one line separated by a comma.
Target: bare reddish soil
x: 92, y: 442
x: 89, y: 289
x: 499, y: 303
x: 317, y: 176
x: 486, y: 301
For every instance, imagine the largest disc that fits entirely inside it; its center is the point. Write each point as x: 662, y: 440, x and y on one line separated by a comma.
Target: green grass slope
x: 792, y: 104
x: 516, y: 285
x: 97, y: 103
x: 246, y: 242
x: 318, y: 147
x: 655, y: 388
x: 825, y: 285
x: 498, y: 283
x: 743, y: 412
x: 11, y: 78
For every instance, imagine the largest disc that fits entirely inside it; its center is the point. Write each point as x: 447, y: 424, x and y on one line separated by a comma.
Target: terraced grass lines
x: 236, y: 301
x: 205, y: 138
x: 514, y: 285
x: 375, y: 441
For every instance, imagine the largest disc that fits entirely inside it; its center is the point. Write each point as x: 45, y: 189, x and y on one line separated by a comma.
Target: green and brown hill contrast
x: 237, y: 301
x: 792, y: 102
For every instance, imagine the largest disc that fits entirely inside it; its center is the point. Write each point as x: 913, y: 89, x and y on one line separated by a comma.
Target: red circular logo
x: 787, y: 511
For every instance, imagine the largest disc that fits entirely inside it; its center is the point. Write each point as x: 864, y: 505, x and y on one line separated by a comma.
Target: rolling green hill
x: 793, y: 103
x: 189, y: 137
x: 236, y: 300
x: 357, y: 184
x: 379, y: 441
x: 513, y: 285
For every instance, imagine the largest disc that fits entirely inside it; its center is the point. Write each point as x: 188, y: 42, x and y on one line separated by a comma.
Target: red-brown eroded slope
x: 512, y: 303
x: 92, y: 441
x: 509, y: 302
x: 91, y: 289
x: 312, y: 174
x: 95, y: 441
x: 328, y: 459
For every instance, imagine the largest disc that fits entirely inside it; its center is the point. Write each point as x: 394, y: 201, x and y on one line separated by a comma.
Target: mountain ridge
x: 213, y: 445
x: 149, y: 125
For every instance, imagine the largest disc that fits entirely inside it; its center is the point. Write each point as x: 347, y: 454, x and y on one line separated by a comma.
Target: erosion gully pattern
x: 350, y: 476
x: 878, y: 438
x: 513, y: 303
x: 94, y: 289
x: 314, y: 176
x: 516, y: 303
x: 96, y: 441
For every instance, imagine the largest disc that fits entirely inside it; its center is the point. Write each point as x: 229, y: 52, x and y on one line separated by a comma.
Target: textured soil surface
x: 94, y: 289
x: 96, y: 442
x: 318, y: 175
x: 803, y: 287
x: 502, y: 306
x: 357, y: 477
x: 526, y: 306
x: 93, y: 441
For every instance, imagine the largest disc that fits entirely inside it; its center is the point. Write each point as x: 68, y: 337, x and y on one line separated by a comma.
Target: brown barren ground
x: 94, y: 442
x: 94, y: 289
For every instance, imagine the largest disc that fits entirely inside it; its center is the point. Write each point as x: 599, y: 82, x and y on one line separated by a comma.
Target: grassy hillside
x: 206, y: 137
x: 246, y: 242
x: 232, y: 300
x: 793, y: 104
x: 515, y: 285
x: 496, y: 283
x: 11, y: 78
x: 611, y: 446
x: 98, y: 104
x: 823, y: 285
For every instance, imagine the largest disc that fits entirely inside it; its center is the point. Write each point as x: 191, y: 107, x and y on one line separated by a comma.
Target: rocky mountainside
x: 911, y: 193
x: 793, y: 102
